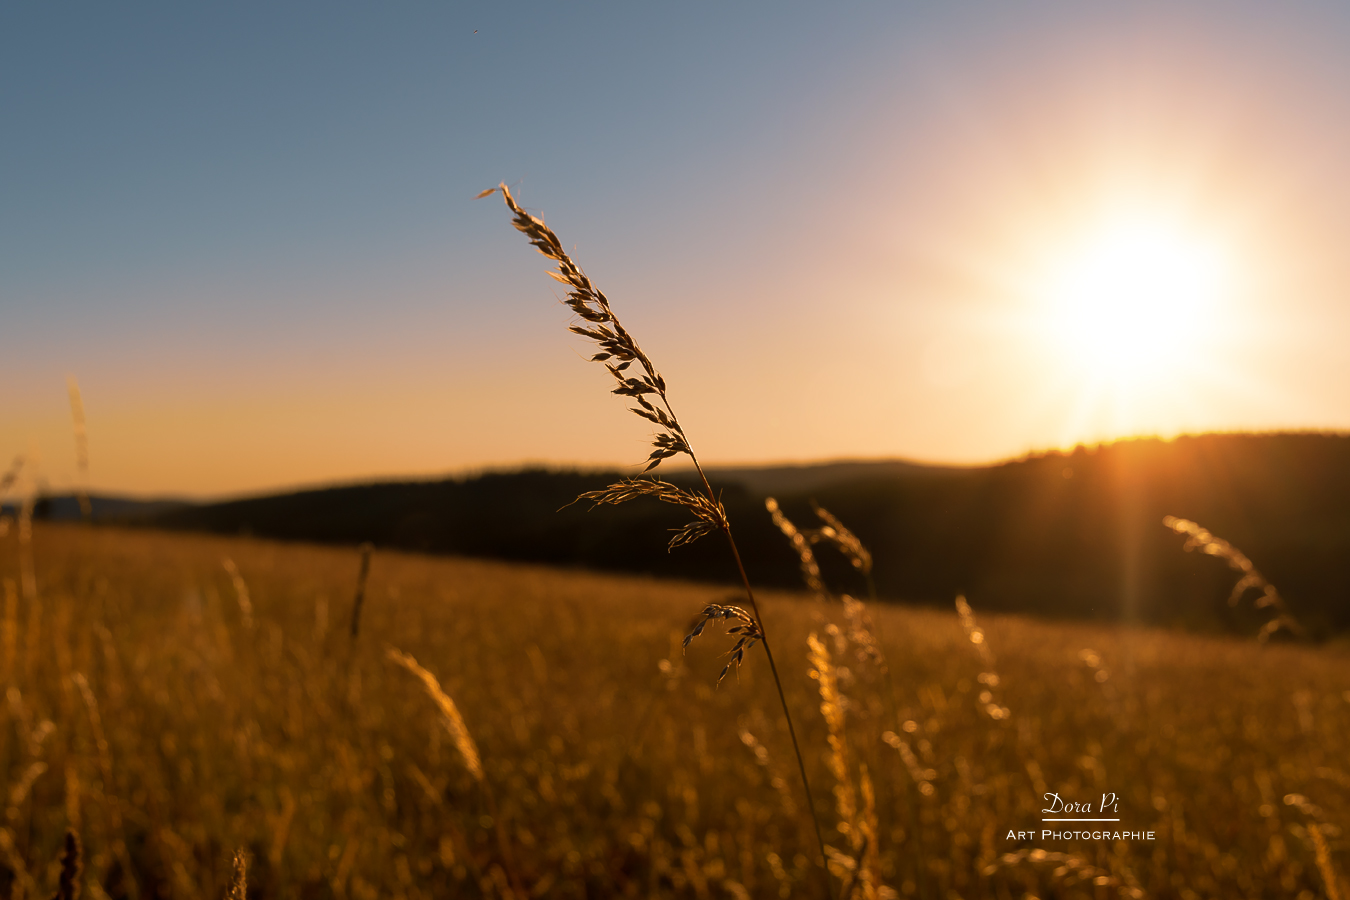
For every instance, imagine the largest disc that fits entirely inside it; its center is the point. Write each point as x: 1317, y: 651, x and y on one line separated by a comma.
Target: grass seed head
x: 834, y: 532
x: 801, y: 545
x: 239, y: 880
x: 1201, y: 539
x: 711, y: 515
x: 615, y: 346
x: 68, y: 887
x: 746, y: 629
x: 450, y: 717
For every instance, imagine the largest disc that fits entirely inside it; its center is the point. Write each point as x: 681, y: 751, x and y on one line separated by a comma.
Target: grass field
x: 170, y: 720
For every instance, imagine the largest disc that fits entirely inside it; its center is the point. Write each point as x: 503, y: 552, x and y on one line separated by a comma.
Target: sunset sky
x: 945, y: 232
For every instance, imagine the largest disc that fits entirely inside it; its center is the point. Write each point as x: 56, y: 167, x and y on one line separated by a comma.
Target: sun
x: 1132, y: 298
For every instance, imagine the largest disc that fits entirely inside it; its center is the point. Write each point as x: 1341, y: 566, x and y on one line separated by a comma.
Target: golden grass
x: 619, y: 768
x: 450, y: 717
x: 362, y: 576
x: 619, y: 351
x: 856, y: 869
x: 239, y: 882
x: 1200, y: 538
x: 801, y: 545
x: 81, y: 434
x: 68, y: 883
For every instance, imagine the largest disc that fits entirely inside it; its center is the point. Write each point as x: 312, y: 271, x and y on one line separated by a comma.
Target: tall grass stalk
x: 619, y: 351
x: 366, y: 549
x: 863, y: 629
x: 239, y: 880
x: 468, y: 751
x: 81, y: 448
x: 68, y: 884
x: 104, y: 756
x: 1201, y: 539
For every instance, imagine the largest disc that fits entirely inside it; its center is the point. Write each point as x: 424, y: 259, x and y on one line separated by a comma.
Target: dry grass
x: 81, y: 448
x: 68, y: 883
x: 1199, y: 538
x: 239, y: 883
x: 618, y: 351
x: 857, y: 868
x: 362, y: 576
x: 450, y: 717
x: 619, y: 768
x: 801, y: 545
x: 168, y: 728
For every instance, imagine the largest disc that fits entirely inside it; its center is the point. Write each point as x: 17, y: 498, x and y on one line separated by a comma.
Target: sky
x: 954, y: 232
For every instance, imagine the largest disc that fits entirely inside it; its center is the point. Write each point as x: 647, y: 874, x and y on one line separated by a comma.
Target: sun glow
x: 1136, y: 297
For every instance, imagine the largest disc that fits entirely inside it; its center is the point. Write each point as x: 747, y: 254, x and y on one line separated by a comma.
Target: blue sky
x: 249, y: 229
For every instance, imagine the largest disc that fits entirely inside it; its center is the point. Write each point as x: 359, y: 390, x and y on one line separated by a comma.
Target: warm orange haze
x: 1124, y: 321
x: 1138, y: 233
x: 925, y: 475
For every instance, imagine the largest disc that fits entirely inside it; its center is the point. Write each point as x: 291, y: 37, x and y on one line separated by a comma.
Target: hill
x: 102, y: 507
x: 1066, y: 534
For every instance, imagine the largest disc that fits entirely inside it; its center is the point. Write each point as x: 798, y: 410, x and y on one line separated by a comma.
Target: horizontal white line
x: 1080, y: 820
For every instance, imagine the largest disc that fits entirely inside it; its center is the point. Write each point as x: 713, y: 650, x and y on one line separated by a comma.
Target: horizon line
x: 470, y: 472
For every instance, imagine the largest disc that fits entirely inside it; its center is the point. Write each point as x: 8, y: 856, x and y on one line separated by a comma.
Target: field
x: 171, y: 712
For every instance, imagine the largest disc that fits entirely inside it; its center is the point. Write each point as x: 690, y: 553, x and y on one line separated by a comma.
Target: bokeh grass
x: 618, y: 767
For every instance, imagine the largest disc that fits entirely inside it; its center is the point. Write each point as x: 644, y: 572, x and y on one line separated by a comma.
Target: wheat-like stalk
x: 19, y: 792
x: 450, y: 717
x: 240, y: 592
x: 801, y: 545
x: 9, y: 630
x: 74, y: 813
x: 989, y: 677
x: 618, y: 351
x: 16, y: 863
x: 468, y: 751
x: 710, y: 514
x: 870, y: 828
x: 7, y: 480
x: 1198, y: 538
x: 106, y: 771
x: 366, y: 549
x: 617, y: 348
x: 862, y: 628
x: 11, y: 474
x: 923, y: 778
x: 68, y: 887
x: 1315, y: 816
x: 81, y: 447
x: 239, y: 879
x: 761, y: 753
x: 834, y: 532
x: 832, y: 708
x: 860, y: 633
x: 1322, y: 854
x: 856, y: 870
x: 746, y: 629
x: 27, y: 570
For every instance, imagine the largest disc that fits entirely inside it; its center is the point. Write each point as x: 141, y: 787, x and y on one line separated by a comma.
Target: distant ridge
x: 103, y: 507
x: 792, y: 477
x: 1071, y: 534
